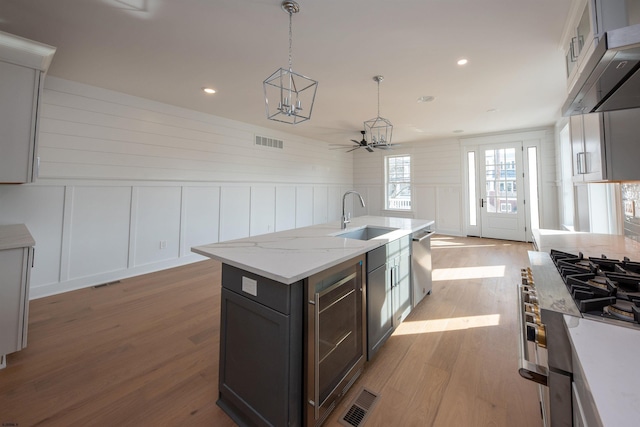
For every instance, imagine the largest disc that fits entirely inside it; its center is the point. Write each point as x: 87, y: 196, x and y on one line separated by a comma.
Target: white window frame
x: 387, y: 205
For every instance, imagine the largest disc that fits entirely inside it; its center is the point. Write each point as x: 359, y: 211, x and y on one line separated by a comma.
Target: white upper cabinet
x: 605, y: 146
x: 23, y: 64
x: 587, y: 22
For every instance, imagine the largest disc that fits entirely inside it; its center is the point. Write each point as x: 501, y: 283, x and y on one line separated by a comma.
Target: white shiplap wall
x: 438, y: 179
x: 437, y: 183
x: 128, y: 185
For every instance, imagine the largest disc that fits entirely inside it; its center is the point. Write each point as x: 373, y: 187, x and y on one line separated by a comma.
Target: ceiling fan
x: 363, y: 144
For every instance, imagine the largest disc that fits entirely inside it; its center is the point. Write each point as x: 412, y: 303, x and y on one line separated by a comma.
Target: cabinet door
x: 255, y: 362
x: 14, y: 302
x: 578, y: 154
x: 19, y: 87
x: 402, y: 289
x: 593, y: 140
x: 622, y: 151
x: 379, y: 309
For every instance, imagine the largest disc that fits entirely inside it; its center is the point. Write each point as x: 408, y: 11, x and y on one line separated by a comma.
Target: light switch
x: 250, y: 286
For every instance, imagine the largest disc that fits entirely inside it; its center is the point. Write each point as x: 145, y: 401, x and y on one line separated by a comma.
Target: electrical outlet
x: 163, y: 244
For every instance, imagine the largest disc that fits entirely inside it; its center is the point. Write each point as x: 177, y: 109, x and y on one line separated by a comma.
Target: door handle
x: 582, y: 163
x: 482, y: 203
x: 574, y: 52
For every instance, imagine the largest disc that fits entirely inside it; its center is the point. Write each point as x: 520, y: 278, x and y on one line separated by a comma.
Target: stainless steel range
x: 559, y: 284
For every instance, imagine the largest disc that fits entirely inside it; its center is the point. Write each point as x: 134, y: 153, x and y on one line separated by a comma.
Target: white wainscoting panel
x: 333, y: 203
x: 285, y: 208
x: 304, y: 206
x: 263, y: 210
x: 235, y: 212
x: 157, y: 224
x: 200, y: 217
x: 320, y: 200
x: 95, y: 249
x: 425, y: 201
x: 449, y: 210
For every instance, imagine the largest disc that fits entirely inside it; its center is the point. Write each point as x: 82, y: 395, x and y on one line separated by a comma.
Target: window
x: 398, y: 182
x: 471, y: 155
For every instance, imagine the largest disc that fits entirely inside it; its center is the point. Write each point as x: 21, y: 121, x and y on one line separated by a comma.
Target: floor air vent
x: 356, y: 415
x: 269, y: 142
x: 105, y: 284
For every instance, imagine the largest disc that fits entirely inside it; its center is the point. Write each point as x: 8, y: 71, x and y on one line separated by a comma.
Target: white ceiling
x: 167, y: 50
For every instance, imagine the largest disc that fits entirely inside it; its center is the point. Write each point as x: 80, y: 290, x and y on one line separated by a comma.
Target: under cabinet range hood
x: 611, y: 77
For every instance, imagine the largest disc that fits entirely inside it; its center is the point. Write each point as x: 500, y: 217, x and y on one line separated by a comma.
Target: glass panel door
x: 502, y: 204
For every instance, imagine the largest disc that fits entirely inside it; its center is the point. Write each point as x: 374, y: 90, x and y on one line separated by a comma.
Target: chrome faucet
x: 347, y: 218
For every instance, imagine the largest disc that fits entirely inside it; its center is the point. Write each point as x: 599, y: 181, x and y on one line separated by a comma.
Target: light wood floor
x: 144, y: 352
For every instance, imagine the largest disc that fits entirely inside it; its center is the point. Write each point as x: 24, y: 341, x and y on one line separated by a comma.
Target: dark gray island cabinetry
x: 261, y: 349
x: 289, y: 352
x: 388, y: 291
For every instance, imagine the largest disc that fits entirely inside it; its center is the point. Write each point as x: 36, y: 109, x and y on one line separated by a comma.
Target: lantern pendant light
x: 289, y: 96
x: 379, y: 130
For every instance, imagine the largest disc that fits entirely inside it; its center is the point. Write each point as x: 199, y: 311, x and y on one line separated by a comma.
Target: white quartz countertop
x: 15, y: 236
x: 590, y: 244
x: 608, y: 356
x: 291, y: 255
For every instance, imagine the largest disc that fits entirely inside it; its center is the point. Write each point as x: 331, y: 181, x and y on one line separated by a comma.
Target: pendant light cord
x: 290, y: 38
x: 378, y: 97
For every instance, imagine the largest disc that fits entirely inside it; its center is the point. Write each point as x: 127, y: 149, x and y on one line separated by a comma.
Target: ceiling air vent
x: 269, y: 142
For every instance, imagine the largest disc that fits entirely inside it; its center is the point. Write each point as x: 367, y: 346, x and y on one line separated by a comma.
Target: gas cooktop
x: 605, y: 288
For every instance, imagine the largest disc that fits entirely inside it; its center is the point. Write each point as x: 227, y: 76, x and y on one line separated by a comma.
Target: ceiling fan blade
x: 357, y: 142
x: 369, y: 149
x: 348, y: 151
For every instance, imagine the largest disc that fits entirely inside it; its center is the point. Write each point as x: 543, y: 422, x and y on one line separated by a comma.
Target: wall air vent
x: 269, y: 142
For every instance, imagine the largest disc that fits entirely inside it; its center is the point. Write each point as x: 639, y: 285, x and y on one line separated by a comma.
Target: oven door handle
x: 527, y: 369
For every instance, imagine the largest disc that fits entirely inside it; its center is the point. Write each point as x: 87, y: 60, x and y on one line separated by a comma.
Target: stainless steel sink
x: 366, y: 233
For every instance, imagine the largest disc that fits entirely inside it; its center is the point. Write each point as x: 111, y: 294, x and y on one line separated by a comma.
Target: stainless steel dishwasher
x: 421, y: 264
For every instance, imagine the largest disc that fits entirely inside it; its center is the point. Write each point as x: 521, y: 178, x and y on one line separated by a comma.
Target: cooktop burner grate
x: 603, y: 287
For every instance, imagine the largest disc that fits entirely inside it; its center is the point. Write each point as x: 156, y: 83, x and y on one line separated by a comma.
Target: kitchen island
x: 292, y: 255
x: 293, y: 316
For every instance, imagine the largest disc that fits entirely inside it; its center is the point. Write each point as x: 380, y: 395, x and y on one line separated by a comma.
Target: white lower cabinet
x: 16, y: 258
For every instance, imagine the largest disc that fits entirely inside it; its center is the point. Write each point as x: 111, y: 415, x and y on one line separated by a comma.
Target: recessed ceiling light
x: 462, y: 61
x: 492, y: 110
x: 458, y: 131
x: 426, y: 98
x: 208, y: 90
